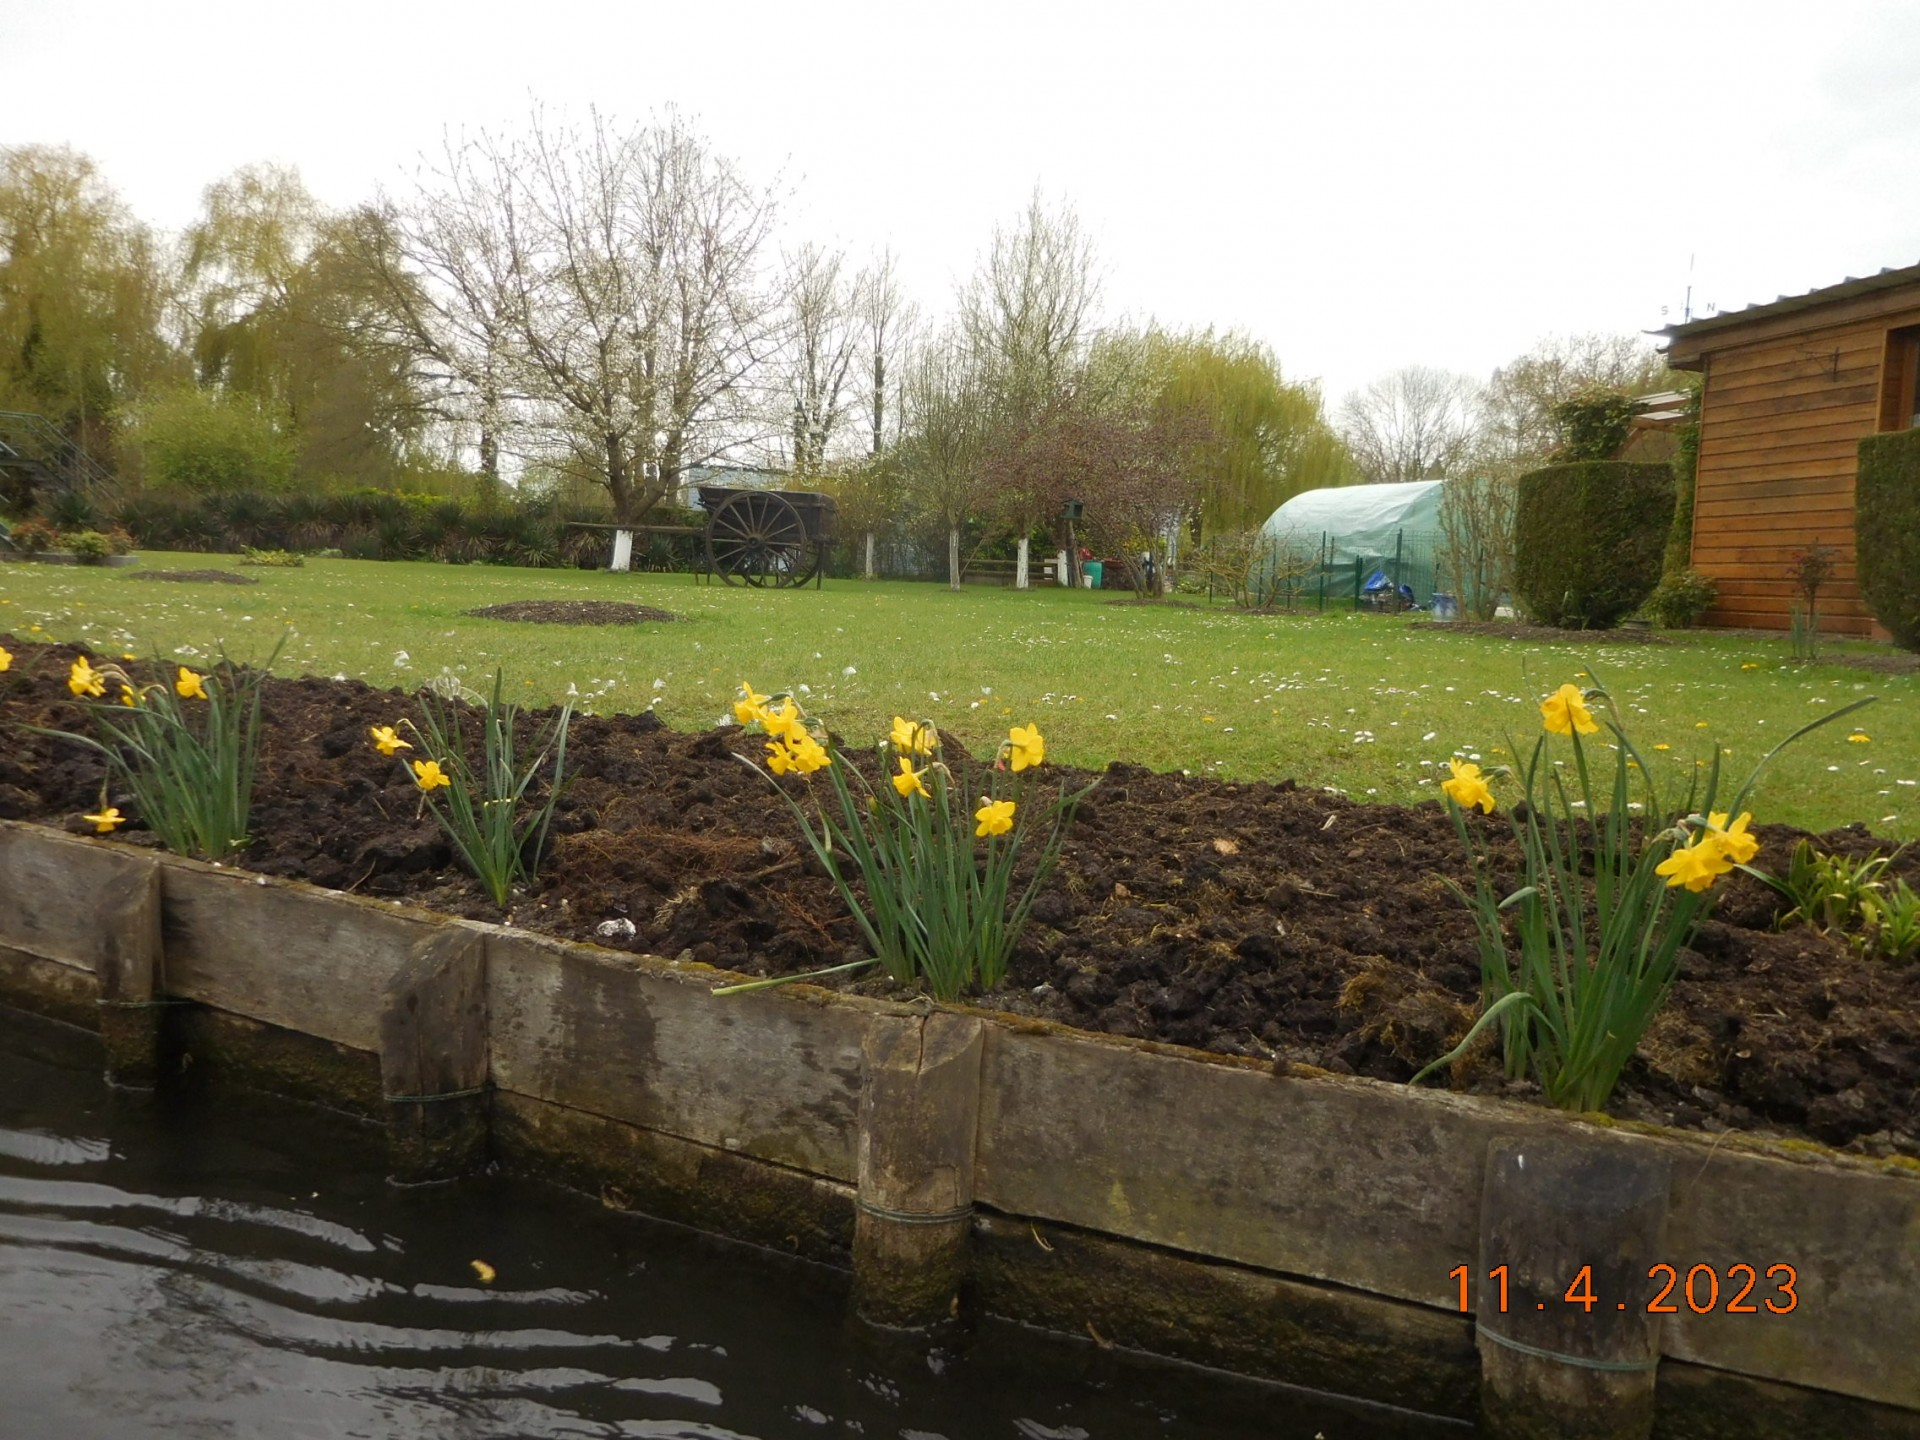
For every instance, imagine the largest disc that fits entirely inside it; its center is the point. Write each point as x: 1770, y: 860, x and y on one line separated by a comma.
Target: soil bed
x: 216, y: 577
x: 574, y: 612
x: 1262, y: 919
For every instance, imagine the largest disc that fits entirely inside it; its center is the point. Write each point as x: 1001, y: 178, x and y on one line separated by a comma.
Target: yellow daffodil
x: 1468, y: 787
x: 129, y: 696
x: 484, y: 1271
x: 386, y: 741
x: 83, y: 679
x: 908, y: 782
x: 190, y: 685
x: 428, y: 775
x: 1695, y: 866
x: 910, y: 737
x: 995, y: 816
x: 1859, y: 737
x: 1735, y: 843
x: 106, y: 820
x: 750, y: 706
x: 783, y: 720
x: 6, y: 659
x: 1565, y: 712
x: 796, y: 753
x: 1024, y: 748
x: 1663, y: 746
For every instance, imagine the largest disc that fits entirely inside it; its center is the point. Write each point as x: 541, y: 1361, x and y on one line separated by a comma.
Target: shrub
x: 1588, y: 539
x: 34, y: 537
x: 1593, y: 425
x: 277, y: 559
x: 1681, y: 597
x: 1887, y: 532
x: 119, y: 542
x: 90, y: 546
x: 209, y: 444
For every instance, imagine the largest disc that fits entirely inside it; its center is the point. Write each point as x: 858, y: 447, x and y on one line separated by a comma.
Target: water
x: 195, y: 1268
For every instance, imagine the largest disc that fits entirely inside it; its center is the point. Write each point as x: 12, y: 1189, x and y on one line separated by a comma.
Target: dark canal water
x: 198, y: 1269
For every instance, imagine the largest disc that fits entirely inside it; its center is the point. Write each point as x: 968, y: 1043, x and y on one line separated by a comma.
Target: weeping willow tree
x: 1268, y: 438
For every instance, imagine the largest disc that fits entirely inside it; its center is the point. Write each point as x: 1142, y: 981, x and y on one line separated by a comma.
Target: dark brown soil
x: 1262, y: 919
x: 217, y: 577
x: 574, y: 612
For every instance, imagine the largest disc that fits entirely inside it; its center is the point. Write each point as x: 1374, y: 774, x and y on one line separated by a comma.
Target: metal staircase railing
x: 32, y: 442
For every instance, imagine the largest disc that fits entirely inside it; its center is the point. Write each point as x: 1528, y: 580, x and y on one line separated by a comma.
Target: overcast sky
x: 1360, y: 185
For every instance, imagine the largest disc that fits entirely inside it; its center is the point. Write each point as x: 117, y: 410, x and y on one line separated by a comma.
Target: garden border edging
x: 625, y: 1074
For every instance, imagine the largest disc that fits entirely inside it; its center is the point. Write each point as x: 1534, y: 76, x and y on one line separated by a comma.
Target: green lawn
x: 1369, y: 704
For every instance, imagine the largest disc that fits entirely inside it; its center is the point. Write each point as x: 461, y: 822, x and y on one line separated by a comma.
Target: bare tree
x: 824, y: 338
x: 1415, y: 424
x: 1027, y: 312
x: 887, y: 321
x: 601, y: 291
x: 943, y: 450
x: 1517, y: 414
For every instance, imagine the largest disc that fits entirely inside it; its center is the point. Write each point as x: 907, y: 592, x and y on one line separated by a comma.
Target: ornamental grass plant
x: 1577, y: 961
x: 493, y: 812
x: 934, y: 849
x: 185, y: 751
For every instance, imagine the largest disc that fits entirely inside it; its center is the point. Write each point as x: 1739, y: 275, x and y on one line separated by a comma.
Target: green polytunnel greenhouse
x: 1353, y: 545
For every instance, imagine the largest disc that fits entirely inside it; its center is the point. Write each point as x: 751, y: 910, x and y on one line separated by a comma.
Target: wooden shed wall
x: 1783, y: 409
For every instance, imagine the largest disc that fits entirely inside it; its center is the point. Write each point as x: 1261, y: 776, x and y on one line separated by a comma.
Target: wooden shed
x: 1787, y: 391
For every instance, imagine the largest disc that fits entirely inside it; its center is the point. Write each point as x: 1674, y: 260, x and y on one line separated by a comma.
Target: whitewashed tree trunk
x: 953, y: 557
x: 1020, y: 567
x: 870, y: 574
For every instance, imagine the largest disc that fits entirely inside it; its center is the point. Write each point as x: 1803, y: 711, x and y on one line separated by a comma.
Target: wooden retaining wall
x: 1298, y: 1227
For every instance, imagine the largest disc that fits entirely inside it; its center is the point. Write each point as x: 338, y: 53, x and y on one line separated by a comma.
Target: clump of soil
x: 217, y: 577
x: 1520, y: 630
x: 1260, y: 919
x: 574, y: 612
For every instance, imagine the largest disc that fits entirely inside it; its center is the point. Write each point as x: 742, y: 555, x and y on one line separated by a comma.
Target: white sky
x: 1361, y: 185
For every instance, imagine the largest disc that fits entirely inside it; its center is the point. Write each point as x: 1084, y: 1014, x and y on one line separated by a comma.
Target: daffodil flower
x: 1565, y: 712
x: 386, y: 741
x: 83, y: 679
x: 190, y: 685
x: 995, y: 817
x: 750, y: 706
x: 1468, y: 787
x: 1695, y: 866
x: 428, y: 775
x: 104, y: 822
x: 1858, y: 737
x: 908, y: 782
x: 1734, y: 841
x: 782, y: 721
x: 6, y: 659
x: 129, y: 696
x: 1024, y: 748
x: 910, y: 737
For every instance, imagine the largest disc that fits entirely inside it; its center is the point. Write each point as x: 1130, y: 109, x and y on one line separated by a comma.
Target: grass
x: 1371, y: 705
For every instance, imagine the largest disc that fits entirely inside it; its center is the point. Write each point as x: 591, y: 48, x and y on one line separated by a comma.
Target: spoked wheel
x: 757, y: 538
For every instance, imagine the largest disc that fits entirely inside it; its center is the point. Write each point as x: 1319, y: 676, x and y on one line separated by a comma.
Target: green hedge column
x: 1588, y: 540
x: 1568, y: 1232
x: 919, y: 1111
x: 1887, y: 532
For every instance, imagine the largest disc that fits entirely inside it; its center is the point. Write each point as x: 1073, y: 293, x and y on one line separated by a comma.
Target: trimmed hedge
x: 1886, y: 526
x: 1588, y: 540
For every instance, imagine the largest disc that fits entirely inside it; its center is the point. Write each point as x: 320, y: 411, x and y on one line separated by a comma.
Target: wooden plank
x: 1791, y: 429
x: 1856, y: 1327
x: 1841, y: 448
x: 772, y: 1074
x: 288, y: 954
x: 1798, y: 354
x: 1886, y: 308
x: 55, y: 886
x: 1857, y: 369
x: 1798, y: 479
x: 1334, y: 1180
x: 433, y: 1056
x: 1836, y: 401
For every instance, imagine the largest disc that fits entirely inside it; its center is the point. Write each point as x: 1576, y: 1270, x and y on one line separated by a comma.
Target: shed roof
x: 1786, y: 304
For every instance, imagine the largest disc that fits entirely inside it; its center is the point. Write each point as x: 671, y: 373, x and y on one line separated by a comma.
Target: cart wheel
x: 757, y: 538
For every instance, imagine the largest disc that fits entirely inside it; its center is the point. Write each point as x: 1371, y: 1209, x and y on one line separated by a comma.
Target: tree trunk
x: 619, y: 486
x: 1020, y: 567
x: 953, y: 557
x: 870, y: 572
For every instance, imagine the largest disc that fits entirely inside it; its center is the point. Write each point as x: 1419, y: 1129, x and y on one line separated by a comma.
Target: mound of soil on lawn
x: 1259, y: 919
x: 217, y: 577
x: 574, y: 612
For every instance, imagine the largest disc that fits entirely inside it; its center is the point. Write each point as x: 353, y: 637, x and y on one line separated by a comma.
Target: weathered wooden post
x: 1568, y: 1232
x: 433, y: 1058
x: 130, y: 966
x: 919, y: 1110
